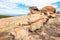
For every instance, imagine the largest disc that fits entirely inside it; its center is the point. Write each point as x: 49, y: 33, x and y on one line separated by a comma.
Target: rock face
x: 37, y: 25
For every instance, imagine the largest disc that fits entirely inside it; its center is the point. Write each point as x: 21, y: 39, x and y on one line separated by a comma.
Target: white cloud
x: 38, y: 3
x: 12, y: 11
x: 10, y: 6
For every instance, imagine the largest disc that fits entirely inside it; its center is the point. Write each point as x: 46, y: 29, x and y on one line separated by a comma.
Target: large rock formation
x: 37, y: 25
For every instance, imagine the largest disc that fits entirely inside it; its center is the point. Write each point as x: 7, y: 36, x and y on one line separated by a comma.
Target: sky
x: 21, y: 7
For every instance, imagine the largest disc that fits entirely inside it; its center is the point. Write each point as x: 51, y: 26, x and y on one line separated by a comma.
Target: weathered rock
x: 34, y: 10
x: 52, y: 28
x: 36, y: 17
x: 55, y: 38
x: 36, y: 25
x: 50, y: 14
x: 49, y: 9
x: 6, y: 36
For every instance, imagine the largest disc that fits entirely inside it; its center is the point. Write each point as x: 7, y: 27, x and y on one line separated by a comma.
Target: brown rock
x: 35, y: 17
x: 55, y: 38
x: 37, y: 25
x: 49, y: 9
x: 34, y: 10
x: 6, y: 36
x: 50, y: 14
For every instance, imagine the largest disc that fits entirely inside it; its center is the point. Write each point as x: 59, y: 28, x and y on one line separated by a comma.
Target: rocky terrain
x: 38, y: 24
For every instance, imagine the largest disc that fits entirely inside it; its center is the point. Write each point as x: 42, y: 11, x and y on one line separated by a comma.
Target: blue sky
x: 57, y: 4
x: 21, y: 7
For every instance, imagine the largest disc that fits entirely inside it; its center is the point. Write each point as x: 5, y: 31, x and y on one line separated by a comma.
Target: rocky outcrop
x: 37, y: 25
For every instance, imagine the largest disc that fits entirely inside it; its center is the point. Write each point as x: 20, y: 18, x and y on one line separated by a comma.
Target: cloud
x: 21, y: 6
x: 9, y: 8
x: 38, y: 3
x: 12, y: 11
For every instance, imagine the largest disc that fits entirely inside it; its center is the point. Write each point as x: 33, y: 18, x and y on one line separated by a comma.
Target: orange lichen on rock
x: 49, y: 9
